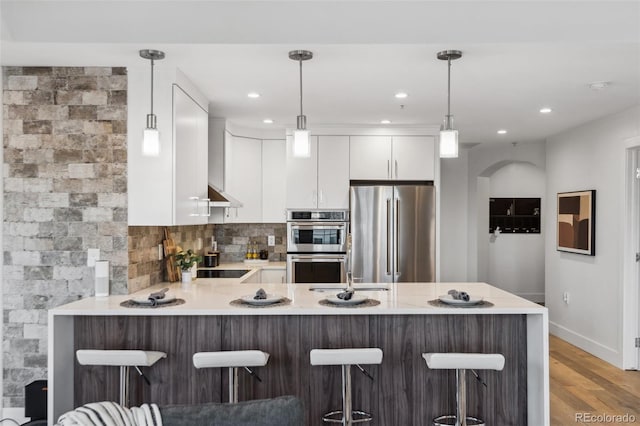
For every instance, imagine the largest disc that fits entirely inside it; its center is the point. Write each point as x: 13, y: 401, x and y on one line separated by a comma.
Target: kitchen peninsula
x: 403, y: 325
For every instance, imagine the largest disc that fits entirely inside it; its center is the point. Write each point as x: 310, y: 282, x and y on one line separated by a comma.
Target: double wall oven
x: 317, y: 246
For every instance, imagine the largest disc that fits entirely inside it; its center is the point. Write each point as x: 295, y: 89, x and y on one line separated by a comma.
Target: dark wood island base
x: 404, y: 392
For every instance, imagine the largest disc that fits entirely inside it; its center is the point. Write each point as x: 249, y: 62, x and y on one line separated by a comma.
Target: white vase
x: 186, y: 276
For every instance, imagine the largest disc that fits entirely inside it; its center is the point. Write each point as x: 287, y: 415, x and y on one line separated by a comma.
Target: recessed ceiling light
x: 599, y: 85
x: 502, y: 132
x: 253, y: 95
x: 545, y: 110
x: 267, y: 121
x: 385, y: 121
x: 401, y: 95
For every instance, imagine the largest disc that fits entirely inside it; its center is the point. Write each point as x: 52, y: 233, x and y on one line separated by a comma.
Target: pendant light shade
x: 151, y: 136
x: 301, y: 139
x: 449, y: 136
x: 448, y: 143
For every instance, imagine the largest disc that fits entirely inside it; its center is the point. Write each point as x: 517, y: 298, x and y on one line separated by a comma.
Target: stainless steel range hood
x: 219, y: 198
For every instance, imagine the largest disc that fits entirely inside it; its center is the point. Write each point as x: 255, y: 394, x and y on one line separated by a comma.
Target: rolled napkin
x: 260, y: 294
x: 159, y: 294
x: 154, y: 297
x: 345, y: 295
x: 459, y: 295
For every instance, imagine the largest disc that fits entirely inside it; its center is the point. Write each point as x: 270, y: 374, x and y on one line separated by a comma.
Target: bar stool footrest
x: 364, y: 417
x: 450, y: 420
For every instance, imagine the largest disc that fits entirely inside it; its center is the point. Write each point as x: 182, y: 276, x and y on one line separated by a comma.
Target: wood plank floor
x: 582, y: 383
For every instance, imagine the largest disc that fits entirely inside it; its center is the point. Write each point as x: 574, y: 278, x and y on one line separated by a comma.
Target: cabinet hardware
x: 195, y: 212
x: 637, y: 257
x: 396, y: 169
x: 389, y: 168
x: 388, y: 234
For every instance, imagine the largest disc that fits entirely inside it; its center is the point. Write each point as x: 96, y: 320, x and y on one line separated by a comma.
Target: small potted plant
x: 185, y: 261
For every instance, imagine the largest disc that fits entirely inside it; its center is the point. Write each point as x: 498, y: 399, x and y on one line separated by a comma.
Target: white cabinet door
x: 302, y: 177
x: 273, y: 276
x: 190, y: 167
x: 274, y: 181
x: 333, y: 172
x: 413, y: 158
x: 370, y: 157
x: 243, y: 174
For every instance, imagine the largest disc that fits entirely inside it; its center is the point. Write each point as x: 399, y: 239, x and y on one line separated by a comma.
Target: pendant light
x: 449, y: 136
x: 151, y: 137
x: 301, y: 140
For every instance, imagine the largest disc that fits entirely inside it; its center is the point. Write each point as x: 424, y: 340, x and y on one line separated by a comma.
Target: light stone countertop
x: 211, y: 296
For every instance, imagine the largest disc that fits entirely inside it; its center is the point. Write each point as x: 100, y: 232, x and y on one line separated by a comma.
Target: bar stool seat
x: 123, y: 359
x: 346, y: 358
x: 462, y: 362
x: 233, y: 360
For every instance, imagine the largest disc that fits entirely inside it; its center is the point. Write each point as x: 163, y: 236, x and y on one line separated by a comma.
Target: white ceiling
x: 518, y: 57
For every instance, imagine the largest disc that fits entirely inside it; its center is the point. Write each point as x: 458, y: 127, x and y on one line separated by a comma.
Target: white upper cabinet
x: 243, y: 178
x: 302, y: 177
x: 370, y: 157
x: 333, y: 172
x: 392, y: 158
x: 322, y: 179
x: 170, y: 188
x: 190, y: 180
x: 413, y: 157
x: 274, y: 181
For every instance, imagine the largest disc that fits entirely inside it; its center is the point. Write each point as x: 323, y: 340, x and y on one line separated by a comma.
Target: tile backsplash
x: 145, y: 269
x: 233, y: 239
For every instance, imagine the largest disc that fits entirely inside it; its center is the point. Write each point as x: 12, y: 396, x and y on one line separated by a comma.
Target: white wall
x: 591, y: 156
x: 464, y: 204
x: 516, y: 261
x: 453, y: 217
x: 483, y: 162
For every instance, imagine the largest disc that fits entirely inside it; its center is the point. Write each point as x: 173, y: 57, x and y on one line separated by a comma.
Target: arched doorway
x: 512, y: 262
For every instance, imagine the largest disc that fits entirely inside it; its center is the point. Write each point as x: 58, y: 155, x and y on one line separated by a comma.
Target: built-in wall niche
x: 514, y: 215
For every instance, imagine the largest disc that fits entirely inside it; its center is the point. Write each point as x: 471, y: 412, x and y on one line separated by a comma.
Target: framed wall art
x: 577, y: 222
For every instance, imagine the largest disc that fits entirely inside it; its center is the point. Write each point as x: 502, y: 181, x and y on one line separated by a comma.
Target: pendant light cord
x: 152, y: 64
x: 300, y: 61
x: 449, y: 93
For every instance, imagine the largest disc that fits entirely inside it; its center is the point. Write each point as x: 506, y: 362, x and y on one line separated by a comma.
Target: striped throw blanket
x: 111, y: 414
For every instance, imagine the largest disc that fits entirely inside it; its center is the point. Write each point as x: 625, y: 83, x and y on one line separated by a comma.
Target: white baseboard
x: 15, y: 413
x: 603, y: 352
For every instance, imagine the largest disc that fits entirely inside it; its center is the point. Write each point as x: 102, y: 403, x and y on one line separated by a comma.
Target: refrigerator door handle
x: 388, y: 235
x: 397, y: 214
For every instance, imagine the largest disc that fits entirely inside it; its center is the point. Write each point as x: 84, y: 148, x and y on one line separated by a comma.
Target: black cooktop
x: 221, y: 273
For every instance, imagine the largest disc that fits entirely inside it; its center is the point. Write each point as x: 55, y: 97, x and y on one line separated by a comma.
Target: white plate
x: 355, y: 300
x: 449, y: 300
x: 271, y: 298
x: 146, y: 301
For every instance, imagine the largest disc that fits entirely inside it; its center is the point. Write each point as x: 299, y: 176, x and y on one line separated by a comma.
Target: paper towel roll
x: 102, y: 278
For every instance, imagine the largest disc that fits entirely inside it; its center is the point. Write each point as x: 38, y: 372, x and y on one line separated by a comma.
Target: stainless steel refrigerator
x: 393, y: 232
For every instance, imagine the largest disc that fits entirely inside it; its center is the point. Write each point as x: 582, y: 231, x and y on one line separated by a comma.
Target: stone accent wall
x: 65, y: 191
x: 233, y: 239
x: 145, y: 269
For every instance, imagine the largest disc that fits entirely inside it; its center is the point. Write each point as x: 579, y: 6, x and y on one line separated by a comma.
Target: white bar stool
x: 346, y: 358
x: 123, y: 359
x: 232, y: 360
x: 462, y: 362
